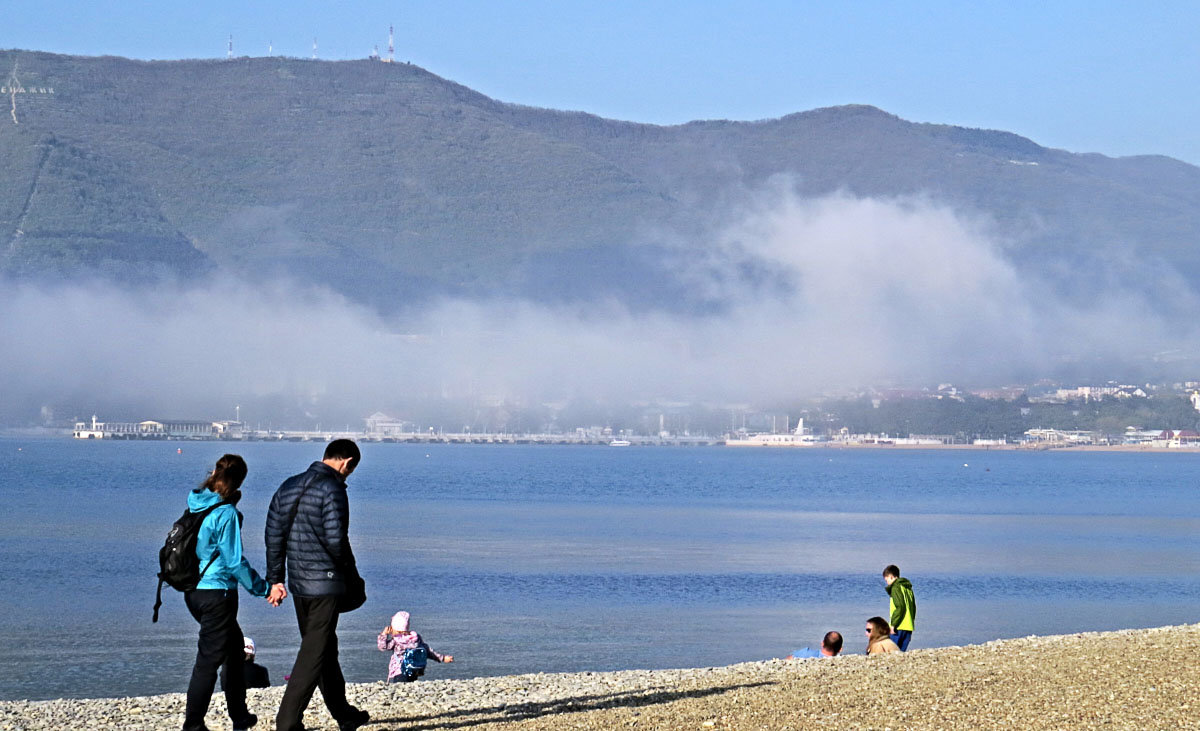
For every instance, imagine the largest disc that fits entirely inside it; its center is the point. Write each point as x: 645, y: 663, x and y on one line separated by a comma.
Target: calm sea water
x: 526, y: 558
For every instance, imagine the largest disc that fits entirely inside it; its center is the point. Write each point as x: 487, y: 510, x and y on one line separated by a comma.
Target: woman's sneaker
x: 245, y: 723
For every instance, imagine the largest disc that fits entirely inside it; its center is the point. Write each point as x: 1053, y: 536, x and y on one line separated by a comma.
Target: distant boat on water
x: 619, y: 443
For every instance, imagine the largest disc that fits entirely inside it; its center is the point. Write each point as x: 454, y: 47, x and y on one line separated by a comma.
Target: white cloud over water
x: 846, y: 292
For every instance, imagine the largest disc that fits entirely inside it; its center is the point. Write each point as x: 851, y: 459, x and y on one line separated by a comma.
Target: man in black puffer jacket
x: 308, y: 543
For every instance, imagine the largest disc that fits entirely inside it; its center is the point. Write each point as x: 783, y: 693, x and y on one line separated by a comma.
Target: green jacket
x: 902, y: 604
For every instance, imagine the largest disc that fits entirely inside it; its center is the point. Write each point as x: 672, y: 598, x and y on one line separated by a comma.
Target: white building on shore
x: 155, y: 429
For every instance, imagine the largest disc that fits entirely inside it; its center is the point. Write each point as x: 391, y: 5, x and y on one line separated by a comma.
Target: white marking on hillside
x: 13, y: 86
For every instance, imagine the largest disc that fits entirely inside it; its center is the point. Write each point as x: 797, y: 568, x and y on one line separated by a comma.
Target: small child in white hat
x: 409, y: 651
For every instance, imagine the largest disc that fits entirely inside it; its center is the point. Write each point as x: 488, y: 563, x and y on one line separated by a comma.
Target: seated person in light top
x: 879, y: 641
x: 831, y: 645
x: 409, y: 651
x: 256, y: 675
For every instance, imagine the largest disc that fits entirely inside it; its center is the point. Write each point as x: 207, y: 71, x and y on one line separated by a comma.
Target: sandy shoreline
x: 1146, y: 679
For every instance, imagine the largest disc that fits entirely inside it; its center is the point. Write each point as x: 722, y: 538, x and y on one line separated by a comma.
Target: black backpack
x: 179, y: 567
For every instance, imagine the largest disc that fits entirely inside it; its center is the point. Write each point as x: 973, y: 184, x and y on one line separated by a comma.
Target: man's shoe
x: 245, y: 723
x: 353, y: 720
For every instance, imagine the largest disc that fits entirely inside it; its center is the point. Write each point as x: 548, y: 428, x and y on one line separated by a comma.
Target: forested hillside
x: 391, y: 183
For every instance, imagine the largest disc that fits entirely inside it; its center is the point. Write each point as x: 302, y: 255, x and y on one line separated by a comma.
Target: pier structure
x: 470, y: 437
x: 379, y: 428
x: 156, y: 429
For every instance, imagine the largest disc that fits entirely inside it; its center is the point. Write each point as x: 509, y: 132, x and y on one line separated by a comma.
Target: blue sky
x: 1119, y: 78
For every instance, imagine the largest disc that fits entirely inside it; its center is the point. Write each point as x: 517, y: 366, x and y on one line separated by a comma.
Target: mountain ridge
x: 390, y: 182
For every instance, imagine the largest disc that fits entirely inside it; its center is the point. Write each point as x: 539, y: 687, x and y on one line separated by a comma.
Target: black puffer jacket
x: 317, y: 547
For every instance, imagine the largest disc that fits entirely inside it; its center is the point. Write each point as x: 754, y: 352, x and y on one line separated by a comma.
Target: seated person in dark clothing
x: 256, y: 675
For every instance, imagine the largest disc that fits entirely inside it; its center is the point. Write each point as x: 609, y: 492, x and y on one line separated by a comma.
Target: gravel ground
x: 1144, y: 679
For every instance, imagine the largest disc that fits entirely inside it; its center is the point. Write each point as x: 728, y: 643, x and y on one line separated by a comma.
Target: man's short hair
x: 343, y: 449
x: 891, y: 570
x: 832, y: 642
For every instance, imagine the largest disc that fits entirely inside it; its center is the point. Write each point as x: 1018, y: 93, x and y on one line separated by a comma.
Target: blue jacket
x: 313, y: 553
x: 222, y: 530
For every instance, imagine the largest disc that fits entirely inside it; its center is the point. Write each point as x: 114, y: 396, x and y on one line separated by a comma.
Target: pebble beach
x: 1146, y: 679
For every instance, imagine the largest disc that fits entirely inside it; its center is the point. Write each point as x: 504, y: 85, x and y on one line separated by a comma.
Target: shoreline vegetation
x: 1014, y: 447
x: 1144, y: 678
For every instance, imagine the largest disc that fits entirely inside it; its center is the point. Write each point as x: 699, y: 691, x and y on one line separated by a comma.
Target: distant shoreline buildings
x: 1042, y: 416
x: 153, y: 429
x: 381, y: 428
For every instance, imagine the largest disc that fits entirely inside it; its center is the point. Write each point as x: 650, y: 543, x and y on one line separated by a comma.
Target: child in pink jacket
x: 408, y: 650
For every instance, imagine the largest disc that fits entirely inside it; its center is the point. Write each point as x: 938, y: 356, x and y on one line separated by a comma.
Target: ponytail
x: 226, y: 476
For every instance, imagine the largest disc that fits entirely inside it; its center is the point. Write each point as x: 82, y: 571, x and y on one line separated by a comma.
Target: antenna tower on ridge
x: 391, y: 46
x: 229, y: 52
x: 314, y: 48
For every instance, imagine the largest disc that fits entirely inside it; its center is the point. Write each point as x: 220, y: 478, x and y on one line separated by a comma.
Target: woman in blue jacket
x: 214, y: 601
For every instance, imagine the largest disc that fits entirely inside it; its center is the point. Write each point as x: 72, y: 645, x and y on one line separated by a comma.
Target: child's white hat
x: 248, y: 645
x: 400, y: 622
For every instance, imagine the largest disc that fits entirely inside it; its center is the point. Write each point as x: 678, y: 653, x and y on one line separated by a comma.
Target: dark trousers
x: 316, y: 664
x: 902, y: 638
x: 220, y: 643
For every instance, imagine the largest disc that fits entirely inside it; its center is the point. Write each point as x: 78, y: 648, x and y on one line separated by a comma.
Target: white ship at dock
x: 798, y: 438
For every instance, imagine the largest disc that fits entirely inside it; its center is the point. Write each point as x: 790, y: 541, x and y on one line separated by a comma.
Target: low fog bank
x: 814, y: 296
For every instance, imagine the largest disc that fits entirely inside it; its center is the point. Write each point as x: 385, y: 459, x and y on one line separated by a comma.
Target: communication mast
x: 391, y: 46
x: 229, y: 52
x: 270, y: 48
x: 314, y: 48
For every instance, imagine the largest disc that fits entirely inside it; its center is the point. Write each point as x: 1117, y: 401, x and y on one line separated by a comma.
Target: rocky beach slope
x: 1146, y: 679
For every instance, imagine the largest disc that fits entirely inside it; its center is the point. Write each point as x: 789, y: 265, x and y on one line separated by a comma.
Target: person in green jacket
x: 902, y: 606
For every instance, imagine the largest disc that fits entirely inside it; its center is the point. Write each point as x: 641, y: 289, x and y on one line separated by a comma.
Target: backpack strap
x: 287, y: 533
x: 203, y: 517
x: 216, y: 552
x: 292, y: 519
x: 157, y: 600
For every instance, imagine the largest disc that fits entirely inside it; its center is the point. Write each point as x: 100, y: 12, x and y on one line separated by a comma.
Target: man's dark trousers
x: 316, y: 664
x: 220, y: 643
